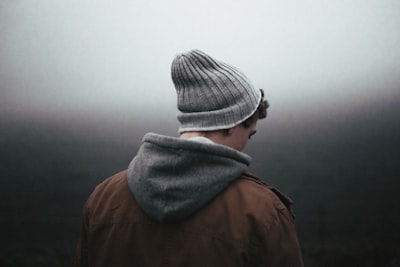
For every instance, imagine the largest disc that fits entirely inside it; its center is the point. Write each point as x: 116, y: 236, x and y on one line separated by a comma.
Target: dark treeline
x: 341, y: 169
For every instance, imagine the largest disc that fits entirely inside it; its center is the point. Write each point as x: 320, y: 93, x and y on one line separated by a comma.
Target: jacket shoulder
x: 110, y: 183
x: 286, y: 201
x: 113, y: 189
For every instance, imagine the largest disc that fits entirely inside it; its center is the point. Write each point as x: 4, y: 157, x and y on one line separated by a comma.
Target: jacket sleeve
x: 81, y: 259
x: 280, y: 242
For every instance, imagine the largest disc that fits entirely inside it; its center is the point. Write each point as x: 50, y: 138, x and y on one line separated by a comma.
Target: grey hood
x: 171, y: 178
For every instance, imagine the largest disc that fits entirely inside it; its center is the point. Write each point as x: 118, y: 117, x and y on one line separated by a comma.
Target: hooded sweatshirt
x: 171, y: 178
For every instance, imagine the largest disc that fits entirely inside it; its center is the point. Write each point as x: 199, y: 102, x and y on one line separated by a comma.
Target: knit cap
x: 212, y: 95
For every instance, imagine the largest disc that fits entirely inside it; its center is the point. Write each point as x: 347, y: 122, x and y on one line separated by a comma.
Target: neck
x: 215, y: 136
x: 187, y: 135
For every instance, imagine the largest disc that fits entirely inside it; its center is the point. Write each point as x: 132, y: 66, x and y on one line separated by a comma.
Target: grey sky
x: 59, y: 56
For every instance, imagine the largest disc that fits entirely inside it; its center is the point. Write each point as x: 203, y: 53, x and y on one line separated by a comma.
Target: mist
x: 81, y: 82
x: 72, y: 57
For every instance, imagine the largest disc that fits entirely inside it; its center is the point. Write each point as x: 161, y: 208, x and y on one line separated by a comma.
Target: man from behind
x: 189, y: 200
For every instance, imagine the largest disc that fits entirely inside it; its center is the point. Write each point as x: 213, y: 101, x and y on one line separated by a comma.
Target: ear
x: 227, y: 132
x: 231, y: 131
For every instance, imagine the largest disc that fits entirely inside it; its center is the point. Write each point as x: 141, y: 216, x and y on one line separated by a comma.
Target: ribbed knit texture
x: 211, y: 94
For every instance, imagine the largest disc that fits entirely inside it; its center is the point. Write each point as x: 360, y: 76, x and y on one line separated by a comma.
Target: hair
x: 260, y: 113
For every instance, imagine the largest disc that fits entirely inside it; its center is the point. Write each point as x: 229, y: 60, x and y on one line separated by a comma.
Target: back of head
x: 212, y: 95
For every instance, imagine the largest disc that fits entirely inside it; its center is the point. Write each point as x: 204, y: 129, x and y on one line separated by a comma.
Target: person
x: 190, y: 200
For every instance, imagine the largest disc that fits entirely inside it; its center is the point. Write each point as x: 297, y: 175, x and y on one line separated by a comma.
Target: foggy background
x: 82, y: 81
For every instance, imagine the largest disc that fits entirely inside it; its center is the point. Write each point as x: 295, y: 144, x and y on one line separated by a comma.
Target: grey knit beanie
x: 212, y: 95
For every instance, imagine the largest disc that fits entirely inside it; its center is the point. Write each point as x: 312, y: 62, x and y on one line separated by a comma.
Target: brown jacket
x: 247, y: 224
